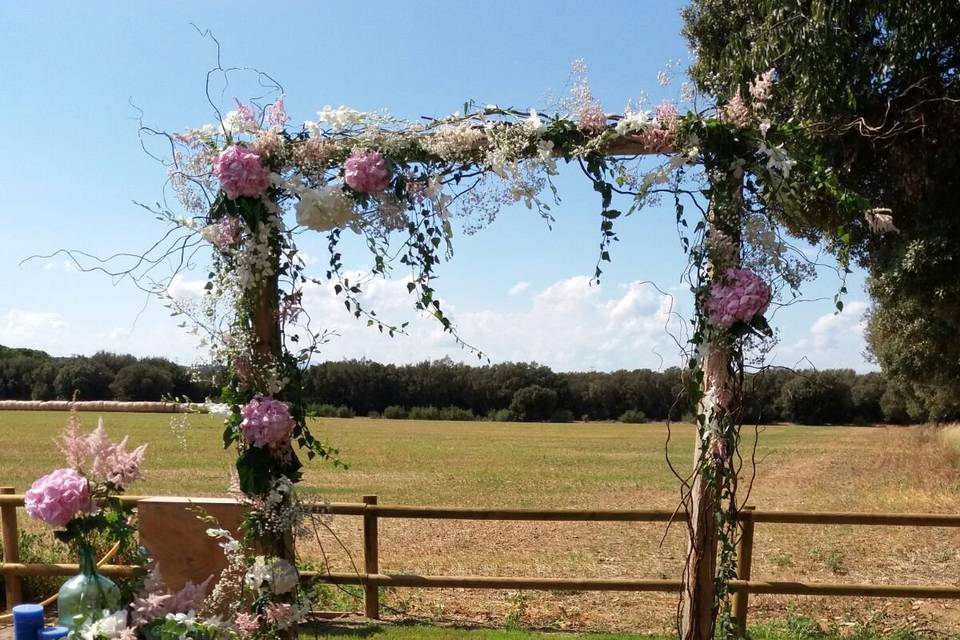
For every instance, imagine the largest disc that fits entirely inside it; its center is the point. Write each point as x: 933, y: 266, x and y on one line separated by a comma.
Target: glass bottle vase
x: 85, y: 596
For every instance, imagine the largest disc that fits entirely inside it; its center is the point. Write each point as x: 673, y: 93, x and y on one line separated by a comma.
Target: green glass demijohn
x: 85, y: 596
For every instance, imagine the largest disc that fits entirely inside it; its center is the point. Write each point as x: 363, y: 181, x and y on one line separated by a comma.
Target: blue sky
x: 71, y: 168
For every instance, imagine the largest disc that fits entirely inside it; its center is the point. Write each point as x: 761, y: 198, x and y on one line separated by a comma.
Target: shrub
x: 501, y: 415
x: 424, y: 413
x: 322, y: 411
x: 633, y: 416
x: 456, y: 413
x: 345, y: 412
x: 562, y: 415
x: 395, y: 412
x: 140, y: 381
x: 533, y: 403
x: 90, y: 379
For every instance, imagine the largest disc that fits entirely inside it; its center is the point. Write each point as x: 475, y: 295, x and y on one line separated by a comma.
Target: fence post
x: 11, y: 549
x: 371, y: 561
x: 744, y: 560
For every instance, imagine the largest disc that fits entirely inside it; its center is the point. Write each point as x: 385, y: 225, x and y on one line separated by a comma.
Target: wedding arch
x: 251, y: 183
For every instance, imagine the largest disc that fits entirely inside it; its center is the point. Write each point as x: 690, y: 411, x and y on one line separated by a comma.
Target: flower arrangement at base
x: 79, y: 501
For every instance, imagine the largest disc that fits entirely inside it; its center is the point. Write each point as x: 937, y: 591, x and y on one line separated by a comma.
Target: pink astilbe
x: 279, y: 614
x: 189, y: 598
x: 761, y: 89
x: 241, y: 173
x: 881, y: 221
x: 277, y: 114
x: 113, y: 462
x: 661, y: 134
x: 366, y: 172
x: 71, y: 443
x: 739, y: 296
x: 592, y: 119
x: 150, y: 607
x: 736, y: 111
x: 247, y: 624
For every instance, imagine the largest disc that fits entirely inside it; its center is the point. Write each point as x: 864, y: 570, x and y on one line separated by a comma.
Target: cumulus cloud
x: 834, y: 340
x: 568, y: 325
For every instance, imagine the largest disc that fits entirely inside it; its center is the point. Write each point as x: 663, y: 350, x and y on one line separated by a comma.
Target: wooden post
x: 11, y: 550
x: 698, y: 613
x: 371, y: 561
x: 744, y: 561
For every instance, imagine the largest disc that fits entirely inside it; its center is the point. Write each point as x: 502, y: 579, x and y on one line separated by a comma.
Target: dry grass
x: 596, y: 465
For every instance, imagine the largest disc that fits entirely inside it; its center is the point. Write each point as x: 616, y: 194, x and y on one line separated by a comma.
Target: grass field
x: 580, y: 465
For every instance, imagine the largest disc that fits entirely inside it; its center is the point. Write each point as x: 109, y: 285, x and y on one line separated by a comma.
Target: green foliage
x: 817, y: 397
x: 90, y: 380
x: 633, y: 416
x: 142, y: 381
x: 533, y: 403
x: 881, y: 75
x: 395, y: 412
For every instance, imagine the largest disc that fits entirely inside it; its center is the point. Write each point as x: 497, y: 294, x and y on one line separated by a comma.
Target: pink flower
x: 881, y: 221
x: 661, y: 137
x: 277, y: 114
x: 266, y: 423
x: 241, y: 173
x: 247, y: 622
x: 736, y: 111
x: 761, y: 89
x: 739, y: 296
x: 366, y: 172
x: 112, y: 462
x: 592, y: 119
x: 58, y: 497
x: 223, y: 234
x: 279, y: 614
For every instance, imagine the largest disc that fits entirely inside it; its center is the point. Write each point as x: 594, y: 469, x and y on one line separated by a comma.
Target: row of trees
x: 27, y: 374
x: 509, y: 391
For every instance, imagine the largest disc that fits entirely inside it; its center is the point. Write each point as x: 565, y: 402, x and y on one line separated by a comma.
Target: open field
x: 582, y: 465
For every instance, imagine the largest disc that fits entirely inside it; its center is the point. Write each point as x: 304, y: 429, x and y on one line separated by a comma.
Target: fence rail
x: 372, y: 580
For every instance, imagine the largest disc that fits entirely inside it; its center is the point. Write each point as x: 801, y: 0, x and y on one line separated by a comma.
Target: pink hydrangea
x: 58, y: 497
x: 366, y: 172
x: 240, y: 172
x: 739, y: 296
x: 592, y: 119
x: 266, y: 422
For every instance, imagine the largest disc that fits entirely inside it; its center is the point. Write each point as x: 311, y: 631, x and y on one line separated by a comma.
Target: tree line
x: 509, y: 391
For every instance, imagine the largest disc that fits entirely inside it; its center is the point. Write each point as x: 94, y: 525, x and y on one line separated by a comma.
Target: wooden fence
x: 372, y: 580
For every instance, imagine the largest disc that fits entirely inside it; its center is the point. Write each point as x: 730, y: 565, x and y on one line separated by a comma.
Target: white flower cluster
x: 340, y: 118
x: 273, y: 575
x: 455, y: 143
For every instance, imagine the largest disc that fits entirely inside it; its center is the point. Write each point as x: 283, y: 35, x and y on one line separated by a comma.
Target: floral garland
x: 252, y: 184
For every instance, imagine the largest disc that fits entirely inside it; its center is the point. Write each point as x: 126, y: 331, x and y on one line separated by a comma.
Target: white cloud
x: 568, y: 325
x: 32, y: 329
x: 180, y: 287
x: 834, y: 340
x: 518, y: 288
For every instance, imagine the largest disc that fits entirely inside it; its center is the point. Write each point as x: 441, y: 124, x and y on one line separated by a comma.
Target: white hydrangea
x: 325, y: 208
x: 455, y: 142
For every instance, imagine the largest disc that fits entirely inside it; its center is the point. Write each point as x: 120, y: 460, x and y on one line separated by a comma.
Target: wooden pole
x: 11, y: 550
x: 371, y: 560
x: 744, y: 561
x: 712, y: 453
